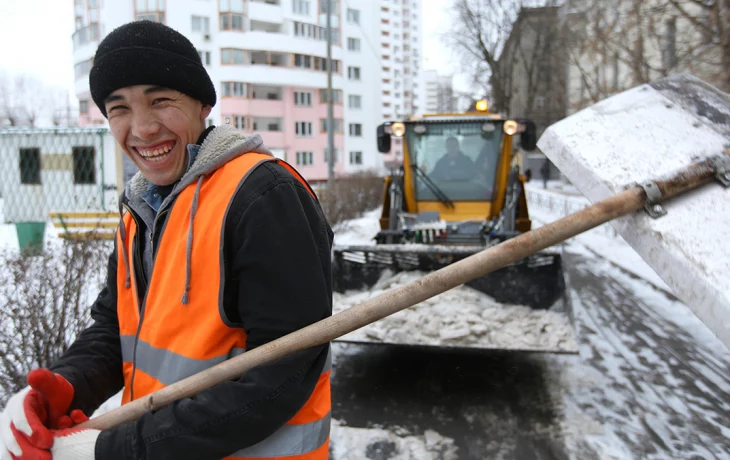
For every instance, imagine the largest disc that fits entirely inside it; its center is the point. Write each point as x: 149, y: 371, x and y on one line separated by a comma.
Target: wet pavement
x: 648, y: 383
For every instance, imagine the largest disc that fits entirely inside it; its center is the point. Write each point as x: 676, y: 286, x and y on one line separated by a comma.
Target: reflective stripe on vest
x: 170, y: 341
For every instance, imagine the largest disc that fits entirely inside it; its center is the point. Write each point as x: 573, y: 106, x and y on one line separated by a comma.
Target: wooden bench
x: 86, y: 225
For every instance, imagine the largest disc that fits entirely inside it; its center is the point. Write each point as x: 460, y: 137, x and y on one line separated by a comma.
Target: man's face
x: 154, y: 125
x: 452, y: 146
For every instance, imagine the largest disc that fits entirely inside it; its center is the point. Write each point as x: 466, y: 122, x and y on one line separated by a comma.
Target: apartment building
x: 268, y: 61
x: 439, y: 93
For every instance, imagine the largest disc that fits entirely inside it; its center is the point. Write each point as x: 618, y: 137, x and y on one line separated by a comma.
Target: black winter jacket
x: 277, y: 247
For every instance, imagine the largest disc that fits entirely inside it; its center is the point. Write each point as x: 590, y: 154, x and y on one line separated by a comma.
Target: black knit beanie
x: 148, y: 53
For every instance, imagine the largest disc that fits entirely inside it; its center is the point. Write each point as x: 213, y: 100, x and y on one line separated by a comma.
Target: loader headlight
x: 510, y: 127
x: 398, y: 129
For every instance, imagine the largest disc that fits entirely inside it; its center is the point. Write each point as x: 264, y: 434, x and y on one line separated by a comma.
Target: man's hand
x: 30, y: 414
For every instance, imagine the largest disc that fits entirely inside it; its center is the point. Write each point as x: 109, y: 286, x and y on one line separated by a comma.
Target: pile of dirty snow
x: 460, y: 317
x: 348, y: 443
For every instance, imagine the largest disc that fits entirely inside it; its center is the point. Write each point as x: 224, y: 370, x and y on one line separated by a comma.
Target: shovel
x: 675, y: 171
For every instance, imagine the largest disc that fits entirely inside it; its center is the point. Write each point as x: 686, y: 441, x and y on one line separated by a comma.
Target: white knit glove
x: 74, y: 444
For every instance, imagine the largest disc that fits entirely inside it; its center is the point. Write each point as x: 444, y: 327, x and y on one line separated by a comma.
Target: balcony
x: 268, y: 27
x: 266, y: 11
x: 85, y: 35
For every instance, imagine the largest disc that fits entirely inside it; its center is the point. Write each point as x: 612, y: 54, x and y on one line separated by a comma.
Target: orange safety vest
x: 176, y: 340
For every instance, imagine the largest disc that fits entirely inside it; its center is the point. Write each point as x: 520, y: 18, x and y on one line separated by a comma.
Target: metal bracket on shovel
x: 653, y: 205
x: 721, y: 163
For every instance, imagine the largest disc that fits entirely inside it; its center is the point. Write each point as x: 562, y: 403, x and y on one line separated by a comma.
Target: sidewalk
x: 550, y: 205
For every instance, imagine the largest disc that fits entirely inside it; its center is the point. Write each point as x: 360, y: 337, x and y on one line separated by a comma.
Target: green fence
x: 65, y: 177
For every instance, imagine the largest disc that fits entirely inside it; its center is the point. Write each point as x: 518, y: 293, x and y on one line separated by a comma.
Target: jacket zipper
x: 144, y: 285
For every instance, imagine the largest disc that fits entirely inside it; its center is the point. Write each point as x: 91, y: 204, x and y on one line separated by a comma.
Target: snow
x: 358, y: 231
x: 643, y: 134
x: 549, y: 205
x: 460, y: 317
x: 348, y: 443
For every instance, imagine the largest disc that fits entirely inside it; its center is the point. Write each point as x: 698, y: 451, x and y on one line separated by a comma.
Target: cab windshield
x: 458, y: 160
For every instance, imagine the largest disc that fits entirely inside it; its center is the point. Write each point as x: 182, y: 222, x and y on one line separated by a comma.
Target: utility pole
x: 330, y: 101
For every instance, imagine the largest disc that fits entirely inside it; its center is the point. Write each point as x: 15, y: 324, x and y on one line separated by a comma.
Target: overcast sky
x: 36, y: 40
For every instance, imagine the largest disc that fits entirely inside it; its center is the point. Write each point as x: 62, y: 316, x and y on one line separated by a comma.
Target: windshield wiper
x: 442, y: 197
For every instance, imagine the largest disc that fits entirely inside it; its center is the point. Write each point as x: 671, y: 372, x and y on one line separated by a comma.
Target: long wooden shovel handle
x: 435, y: 283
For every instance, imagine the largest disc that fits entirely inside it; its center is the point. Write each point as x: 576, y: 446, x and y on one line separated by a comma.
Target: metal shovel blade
x: 646, y: 132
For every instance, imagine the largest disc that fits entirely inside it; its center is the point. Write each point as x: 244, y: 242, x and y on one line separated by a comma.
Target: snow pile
x: 349, y: 443
x: 461, y: 317
x: 360, y: 231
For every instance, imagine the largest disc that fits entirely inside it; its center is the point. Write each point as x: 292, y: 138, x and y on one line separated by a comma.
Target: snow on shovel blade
x: 644, y: 133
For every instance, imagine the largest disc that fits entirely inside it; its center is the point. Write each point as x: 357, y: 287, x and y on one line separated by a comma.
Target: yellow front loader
x: 457, y: 191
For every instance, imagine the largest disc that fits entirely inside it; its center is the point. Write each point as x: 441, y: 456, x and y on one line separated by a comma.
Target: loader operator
x: 221, y: 248
x: 454, y: 165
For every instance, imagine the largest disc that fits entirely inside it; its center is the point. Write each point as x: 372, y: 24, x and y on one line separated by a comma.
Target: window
x: 353, y: 44
x: 324, y: 99
x: 30, y: 165
x: 355, y: 129
x: 302, y: 61
x: 305, y: 158
x: 239, y: 121
x: 231, y: 6
x: 231, y: 14
x: 82, y: 68
x: 327, y: 155
x: 201, y: 24
x: 669, y: 53
x: 303, y: 98
x: 84, y: 166
x: 150, y: 10
x: 540, y: 102
x: 354, y: 101
x: 204, y: 57
x: 234, y: 89
x: 300, y: 6
x: 333, y: 6
x: 353, y: 16
x: 323, y: 125
x: 314, y: 32
x: 231, y: 56
x: 356, y: 158
x: 267, y: 124
x: 304, y: 129
x: 353, y: 73
x: 83, y: 106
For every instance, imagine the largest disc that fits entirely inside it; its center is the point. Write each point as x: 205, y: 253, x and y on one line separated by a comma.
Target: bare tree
x: 479, y: 33
x: 614, y: 45
x: 44, y: 302
x: 26, y: 101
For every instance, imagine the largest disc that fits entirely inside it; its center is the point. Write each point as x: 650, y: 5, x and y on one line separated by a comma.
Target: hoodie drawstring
x: 125, y: 257
x: 188, y: 253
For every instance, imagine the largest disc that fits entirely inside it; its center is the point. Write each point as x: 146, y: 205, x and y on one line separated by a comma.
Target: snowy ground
x: 650, y: 380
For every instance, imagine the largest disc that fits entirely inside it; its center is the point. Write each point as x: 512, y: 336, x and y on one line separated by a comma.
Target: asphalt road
x: 647, y: 384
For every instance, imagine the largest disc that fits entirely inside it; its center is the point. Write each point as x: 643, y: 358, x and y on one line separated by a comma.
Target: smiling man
x: 221, y: 248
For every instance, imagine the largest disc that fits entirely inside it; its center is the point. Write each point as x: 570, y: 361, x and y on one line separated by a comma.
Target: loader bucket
x: 525, y: 308
x: 536, y: 281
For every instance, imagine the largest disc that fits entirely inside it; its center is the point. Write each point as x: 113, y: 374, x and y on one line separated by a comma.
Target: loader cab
x: 455, y: 165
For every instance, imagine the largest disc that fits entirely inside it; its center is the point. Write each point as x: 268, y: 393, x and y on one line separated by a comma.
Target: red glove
x: 29, y: 414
